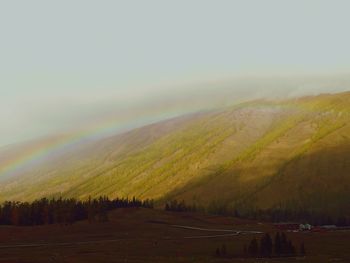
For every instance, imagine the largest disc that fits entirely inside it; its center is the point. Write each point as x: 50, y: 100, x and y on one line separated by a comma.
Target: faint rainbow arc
x: 68, y: 140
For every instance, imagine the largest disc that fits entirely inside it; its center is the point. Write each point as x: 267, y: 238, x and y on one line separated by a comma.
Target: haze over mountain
x: 167, y: 131
x: 214, y: 102
x: 262, y: 153
x: 73, y: 67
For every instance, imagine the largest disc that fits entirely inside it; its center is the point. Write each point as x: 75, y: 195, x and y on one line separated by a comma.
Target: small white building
x: 305, y: 227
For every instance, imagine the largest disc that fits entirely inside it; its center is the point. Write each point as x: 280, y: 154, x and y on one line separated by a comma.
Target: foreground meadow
x: 148, y: 235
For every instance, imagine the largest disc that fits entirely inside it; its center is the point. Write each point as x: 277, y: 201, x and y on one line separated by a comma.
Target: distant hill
x: 264, y: 154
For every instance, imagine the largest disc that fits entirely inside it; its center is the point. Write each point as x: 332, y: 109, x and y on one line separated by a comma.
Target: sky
x: 77, y: 64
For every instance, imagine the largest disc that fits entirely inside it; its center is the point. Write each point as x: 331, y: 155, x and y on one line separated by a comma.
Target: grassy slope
x: 263, y: 153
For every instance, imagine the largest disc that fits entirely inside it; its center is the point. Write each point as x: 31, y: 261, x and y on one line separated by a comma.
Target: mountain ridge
x: 244, y: 155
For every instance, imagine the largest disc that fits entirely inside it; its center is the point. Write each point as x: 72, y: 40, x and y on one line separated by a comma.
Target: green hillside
x: 259, y: 154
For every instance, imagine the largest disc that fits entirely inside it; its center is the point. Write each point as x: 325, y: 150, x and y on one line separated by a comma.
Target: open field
x: 147, y: 235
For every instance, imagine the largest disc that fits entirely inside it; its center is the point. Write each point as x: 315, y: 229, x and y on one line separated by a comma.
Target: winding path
x: 228, y: 233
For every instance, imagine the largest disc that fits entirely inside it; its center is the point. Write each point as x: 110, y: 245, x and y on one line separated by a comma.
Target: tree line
x: 281, y: 246
x: 265, y: 247
x: 64, y: 210
x: 270, y: 215
x: 181, y: 206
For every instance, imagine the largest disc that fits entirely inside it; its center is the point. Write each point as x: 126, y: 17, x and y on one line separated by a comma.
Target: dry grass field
x: 147, y: 235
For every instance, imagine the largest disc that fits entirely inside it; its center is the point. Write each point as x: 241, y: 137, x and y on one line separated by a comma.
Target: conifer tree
x: 302, y: 249
x: 284, y: 244
x: 245, y: 251
x: 253, y: 248
x: 266, y: 246
x: 217, y: 252
x: 277, y: 245
x: 223, y: 250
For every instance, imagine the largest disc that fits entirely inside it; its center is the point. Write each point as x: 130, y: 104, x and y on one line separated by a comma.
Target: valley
x: 148, y: 235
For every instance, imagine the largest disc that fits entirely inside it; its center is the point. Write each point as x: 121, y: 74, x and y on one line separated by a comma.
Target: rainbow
x: 37, y: 153
x: 106, y: 127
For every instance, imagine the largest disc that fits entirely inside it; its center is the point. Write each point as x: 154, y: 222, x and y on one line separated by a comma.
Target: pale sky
x: 69, y: 63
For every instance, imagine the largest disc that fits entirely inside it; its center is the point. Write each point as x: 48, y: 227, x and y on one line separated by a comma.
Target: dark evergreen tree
x: 253, y: 248
x: 284, y: 244
x: 245, y: 251
x: 223, y: 251
x: 266, y: 246
x: 278, y: 244
x: 217, y: 252
x: 176, y: 206
x: 167, y: 208
x: 302, y: 249
x: 290, y: 249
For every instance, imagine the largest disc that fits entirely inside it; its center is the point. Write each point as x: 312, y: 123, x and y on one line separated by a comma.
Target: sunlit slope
x: 260, y: 154
x: 304, y: 161
x: 59, y: 174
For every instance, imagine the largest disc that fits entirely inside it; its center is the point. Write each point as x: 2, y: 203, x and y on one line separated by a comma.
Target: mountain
x: 261, y: 154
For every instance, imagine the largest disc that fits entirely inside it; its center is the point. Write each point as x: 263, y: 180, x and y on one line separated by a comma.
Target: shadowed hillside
x: 262, y: 154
